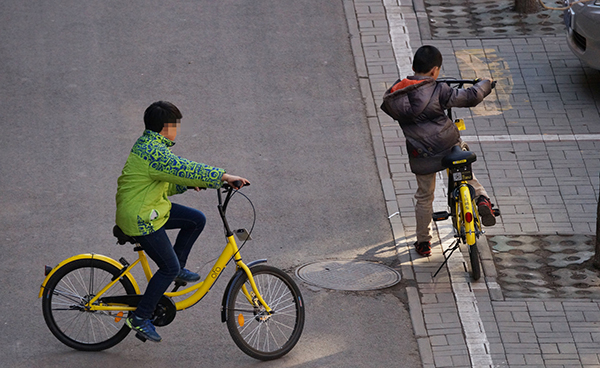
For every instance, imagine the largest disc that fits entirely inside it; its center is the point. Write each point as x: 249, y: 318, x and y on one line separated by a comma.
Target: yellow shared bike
x: 87, y: 298
x: 466, y: 222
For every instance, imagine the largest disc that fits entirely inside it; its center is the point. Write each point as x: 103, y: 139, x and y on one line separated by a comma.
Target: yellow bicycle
x: 461, y: 196
x: 86, y: 298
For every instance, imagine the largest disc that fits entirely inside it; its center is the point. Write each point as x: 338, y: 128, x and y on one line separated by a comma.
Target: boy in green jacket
x: 151, y: 174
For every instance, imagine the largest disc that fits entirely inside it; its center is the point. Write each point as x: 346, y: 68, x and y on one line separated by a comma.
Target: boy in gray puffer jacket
x: 418, y: 103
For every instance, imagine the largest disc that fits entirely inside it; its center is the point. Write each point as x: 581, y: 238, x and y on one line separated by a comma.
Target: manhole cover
x: 348, y: 275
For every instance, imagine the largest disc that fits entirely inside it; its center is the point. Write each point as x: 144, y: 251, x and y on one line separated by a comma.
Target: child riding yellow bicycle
x: 152, y: 172
x: 418, y: 103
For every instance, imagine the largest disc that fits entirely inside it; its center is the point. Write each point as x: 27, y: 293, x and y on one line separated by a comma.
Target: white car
x: 583, y: 31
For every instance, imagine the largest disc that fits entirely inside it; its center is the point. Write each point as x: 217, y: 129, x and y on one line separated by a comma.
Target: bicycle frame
x: 199, y: 290
x: 465, y: 217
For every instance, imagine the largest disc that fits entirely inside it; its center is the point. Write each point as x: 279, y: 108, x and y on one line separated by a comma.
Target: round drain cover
x: 348, y: 275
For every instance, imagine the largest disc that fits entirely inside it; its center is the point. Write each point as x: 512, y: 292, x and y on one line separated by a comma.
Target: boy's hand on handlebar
x: 236, y: 182
x: 492, y: 82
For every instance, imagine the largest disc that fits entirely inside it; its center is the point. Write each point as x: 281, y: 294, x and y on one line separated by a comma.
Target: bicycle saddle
x: 458, y: 157
x: 122, y: 238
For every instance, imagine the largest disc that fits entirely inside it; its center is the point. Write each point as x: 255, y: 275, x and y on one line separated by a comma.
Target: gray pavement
x: 537, y: 140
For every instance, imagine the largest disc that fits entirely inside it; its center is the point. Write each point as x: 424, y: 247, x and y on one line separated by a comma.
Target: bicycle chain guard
x: 164, y: 313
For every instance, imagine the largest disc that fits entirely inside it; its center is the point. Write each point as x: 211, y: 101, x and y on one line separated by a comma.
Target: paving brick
x: 568, y: 360
x: 592, y: 316
x: 534, y: 360
x: 590, y: 359
x: 438, y: 340
x: 567, y: 348
x: 549, y: 348
x: 442, y: 360
x: 553, y: 337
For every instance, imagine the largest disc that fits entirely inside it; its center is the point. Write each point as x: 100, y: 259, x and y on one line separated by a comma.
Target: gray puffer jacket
x: 419, y: 104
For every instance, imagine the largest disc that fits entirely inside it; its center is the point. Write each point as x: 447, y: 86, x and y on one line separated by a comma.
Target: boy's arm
x: 183, y: 172
x: 176, y: 189
x: 465, y: 97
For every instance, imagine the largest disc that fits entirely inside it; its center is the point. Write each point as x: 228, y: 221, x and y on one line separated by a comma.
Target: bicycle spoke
x: 259, y: 333
x: 255, y: 331
x: 65, y: 306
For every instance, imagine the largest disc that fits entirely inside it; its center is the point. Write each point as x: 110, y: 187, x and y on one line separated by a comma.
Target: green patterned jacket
x: 151, y: 174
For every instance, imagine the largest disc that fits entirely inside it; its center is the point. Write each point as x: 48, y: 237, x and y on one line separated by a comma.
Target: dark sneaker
x: 143, y: 327
x: 484, y: 206
x: 186, y: 275
x: 423, y: 248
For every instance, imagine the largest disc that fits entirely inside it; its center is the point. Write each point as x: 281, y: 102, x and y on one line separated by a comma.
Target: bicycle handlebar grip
x: 236, y: 184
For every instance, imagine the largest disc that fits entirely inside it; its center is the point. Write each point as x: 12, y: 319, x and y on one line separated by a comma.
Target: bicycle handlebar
x: 236, y: 184
x: 461, y: 82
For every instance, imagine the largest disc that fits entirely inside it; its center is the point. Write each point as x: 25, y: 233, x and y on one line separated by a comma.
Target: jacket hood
x: 408, y: 97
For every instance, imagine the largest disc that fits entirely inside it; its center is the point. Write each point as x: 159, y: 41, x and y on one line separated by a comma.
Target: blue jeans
x: 169, y: 259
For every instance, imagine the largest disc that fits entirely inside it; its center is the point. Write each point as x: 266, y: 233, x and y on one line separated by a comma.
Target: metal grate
x: 546, y: 266
x: 460, y: 19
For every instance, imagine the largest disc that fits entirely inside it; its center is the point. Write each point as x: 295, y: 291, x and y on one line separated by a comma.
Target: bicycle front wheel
x: 64, y: 299
x: 259, y: 334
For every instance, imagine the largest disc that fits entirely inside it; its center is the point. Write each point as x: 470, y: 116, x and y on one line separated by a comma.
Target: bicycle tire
x: 263, y: 336
x: 65, y: 296
x: 474, y: 259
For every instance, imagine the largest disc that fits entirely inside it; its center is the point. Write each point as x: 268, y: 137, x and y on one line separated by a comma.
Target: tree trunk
x: 596, y: 259
x: 527, y: 6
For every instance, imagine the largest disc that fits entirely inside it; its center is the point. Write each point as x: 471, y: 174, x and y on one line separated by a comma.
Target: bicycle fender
x: 227, y: 293
x: 87, y: 256
x: 467, y: 208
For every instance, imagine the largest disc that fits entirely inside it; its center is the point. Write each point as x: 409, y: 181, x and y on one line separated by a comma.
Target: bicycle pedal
x: 496, y: 212
x: 141, y: 337
x: 179, y: 284
x: 440, y: 216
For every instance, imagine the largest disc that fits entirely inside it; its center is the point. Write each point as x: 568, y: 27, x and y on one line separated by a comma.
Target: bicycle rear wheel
x: 255, y: 332
x: 474, y: 259
x: 64, y: 300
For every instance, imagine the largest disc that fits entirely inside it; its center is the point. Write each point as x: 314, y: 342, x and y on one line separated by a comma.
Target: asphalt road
x: 268, y: 91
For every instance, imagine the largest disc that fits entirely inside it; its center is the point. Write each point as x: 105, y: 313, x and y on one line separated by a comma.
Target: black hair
x: 160, y: 113
x: 426, y: 58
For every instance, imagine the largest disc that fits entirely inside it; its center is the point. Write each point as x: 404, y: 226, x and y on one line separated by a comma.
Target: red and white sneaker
x: 484, y: 206
x: 423, y: 248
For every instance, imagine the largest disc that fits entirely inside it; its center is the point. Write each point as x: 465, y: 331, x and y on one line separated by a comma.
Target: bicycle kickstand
x: 454, y: 247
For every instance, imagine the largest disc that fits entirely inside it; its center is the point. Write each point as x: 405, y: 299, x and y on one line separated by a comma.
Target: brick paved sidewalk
x: 537, y: 140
